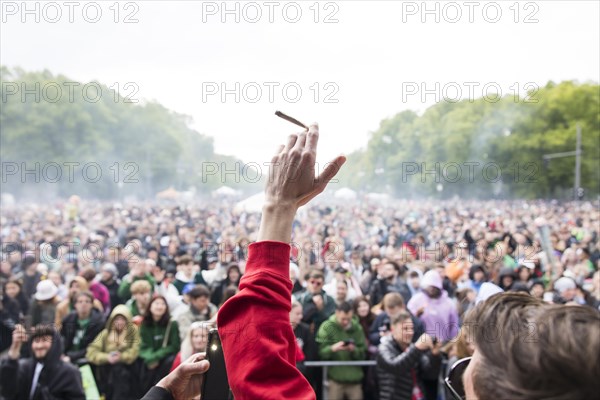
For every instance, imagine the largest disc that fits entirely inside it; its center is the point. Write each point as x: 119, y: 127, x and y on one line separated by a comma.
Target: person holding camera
x: 402, y: 365
x: 341, y: 338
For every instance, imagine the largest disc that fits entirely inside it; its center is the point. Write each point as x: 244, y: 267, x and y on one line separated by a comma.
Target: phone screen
x: 215, y: 385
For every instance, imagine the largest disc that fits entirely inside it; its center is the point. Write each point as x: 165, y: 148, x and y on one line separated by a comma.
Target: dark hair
x: 396, y: 266
x: 344, y: 282
x: 233, y: 266
x: 340, y: 270
x: 229, y: 292
x: 344, y: 306
x: 402, y: 316
x: 41, y: 330
x: 199, y: 290
x: 356, y: 304
x: 85, y: 293
x: 535, y: 282
x: 316, y: 274
x: 15, y: 281
x: 164, y: 320
x: 475, y: 268
x: 88, y: 273
x: 549, y: 363
x: 28, y: 261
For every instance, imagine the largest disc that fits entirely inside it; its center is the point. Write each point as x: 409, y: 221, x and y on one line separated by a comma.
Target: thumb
x: 330, y: 171
x: 196, y: 368
x: 323, y: 179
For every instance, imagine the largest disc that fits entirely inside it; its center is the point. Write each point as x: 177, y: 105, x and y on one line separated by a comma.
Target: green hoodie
x: 153, y: 335
x: 330, y: 333
x: 106, y: 341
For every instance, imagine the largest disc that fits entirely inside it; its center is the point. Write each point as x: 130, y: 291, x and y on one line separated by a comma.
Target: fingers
x: 330, y: 171
x: 291, y: 142
x: 198, y: 367
x: 195, y: 358
x: 196, y: 364
x: 312, y: 138
x: 323, y: 179
x: 300, y: 142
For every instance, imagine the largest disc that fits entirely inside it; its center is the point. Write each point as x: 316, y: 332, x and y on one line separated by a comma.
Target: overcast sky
x: 372, y: 61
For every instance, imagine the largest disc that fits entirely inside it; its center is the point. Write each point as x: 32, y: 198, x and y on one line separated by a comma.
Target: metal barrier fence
x: 327, y: 364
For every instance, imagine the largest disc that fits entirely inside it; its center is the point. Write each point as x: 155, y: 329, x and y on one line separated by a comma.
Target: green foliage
x: 476, y: 148
x: 141, y: 148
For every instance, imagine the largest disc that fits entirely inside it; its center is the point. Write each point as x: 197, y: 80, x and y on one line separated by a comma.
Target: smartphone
x: 215, y: 385
x: 348, y: 341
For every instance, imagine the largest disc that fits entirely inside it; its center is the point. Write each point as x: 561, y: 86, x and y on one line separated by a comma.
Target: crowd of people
x: 132, y: 290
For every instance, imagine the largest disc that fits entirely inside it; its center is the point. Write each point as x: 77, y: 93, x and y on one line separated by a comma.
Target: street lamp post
x: 577, y: 190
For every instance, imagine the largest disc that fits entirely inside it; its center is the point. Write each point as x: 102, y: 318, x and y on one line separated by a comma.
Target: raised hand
x: 292, y: 180
x: 19, y: 336
x: 292, y: 183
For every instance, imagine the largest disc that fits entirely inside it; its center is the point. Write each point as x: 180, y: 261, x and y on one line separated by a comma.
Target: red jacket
x: 254, y: 325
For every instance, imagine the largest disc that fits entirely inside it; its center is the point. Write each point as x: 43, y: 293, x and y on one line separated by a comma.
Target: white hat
x: 563, y: 284
x: 527, y: 264
x: 45, y: 290
x: 110, y: 267
x: 486, y: 291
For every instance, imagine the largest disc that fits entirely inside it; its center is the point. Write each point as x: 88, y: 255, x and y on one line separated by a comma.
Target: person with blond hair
x: 194, y: 341
x: 141, y: 293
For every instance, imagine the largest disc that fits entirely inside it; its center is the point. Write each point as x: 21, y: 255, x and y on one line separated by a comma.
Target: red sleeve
x: 254, y: 325
x: 176, y: 362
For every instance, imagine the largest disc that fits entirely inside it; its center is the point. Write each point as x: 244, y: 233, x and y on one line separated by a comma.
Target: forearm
x: 257, y: 337
x: 401, y: 362
x: 276, y: 223
x: 326, y: 353
x: 14, y: 352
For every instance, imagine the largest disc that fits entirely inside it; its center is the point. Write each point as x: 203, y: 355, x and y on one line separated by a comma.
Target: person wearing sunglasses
x: 528, y: 349
x: 402, y: 365
x: 317, y: 305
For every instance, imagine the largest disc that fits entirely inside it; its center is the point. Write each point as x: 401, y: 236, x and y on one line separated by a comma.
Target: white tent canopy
x: 378, y: 196
x: 225, y: 191
x: 253, y: 203
x: 345, y: 193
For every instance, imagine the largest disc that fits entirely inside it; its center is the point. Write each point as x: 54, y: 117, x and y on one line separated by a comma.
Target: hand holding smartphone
x: 215, y: 385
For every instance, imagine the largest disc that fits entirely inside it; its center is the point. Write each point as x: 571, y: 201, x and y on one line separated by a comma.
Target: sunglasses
x: 315, y: 282
x: 454, y: 381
